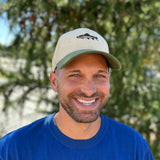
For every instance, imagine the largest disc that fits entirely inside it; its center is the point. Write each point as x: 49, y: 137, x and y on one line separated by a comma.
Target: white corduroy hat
x: 78, y: 42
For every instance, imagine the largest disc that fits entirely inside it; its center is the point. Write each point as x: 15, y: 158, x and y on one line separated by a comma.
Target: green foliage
x: 132, y: 29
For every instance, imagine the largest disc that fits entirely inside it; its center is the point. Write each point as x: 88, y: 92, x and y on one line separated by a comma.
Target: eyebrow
x: 102, y: 71
x: 78, y: 71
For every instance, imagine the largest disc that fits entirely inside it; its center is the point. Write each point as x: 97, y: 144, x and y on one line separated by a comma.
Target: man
x: 80, y: 75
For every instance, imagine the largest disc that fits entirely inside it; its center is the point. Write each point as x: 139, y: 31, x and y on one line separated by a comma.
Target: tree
x: 132, y: 31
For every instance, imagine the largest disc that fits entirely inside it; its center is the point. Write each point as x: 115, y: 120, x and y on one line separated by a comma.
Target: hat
x: 78, y: 42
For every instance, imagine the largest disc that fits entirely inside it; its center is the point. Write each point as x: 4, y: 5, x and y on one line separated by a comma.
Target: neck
x: 76, y: 130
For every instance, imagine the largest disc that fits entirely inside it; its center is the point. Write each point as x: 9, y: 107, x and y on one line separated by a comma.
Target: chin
x: 86, y: 117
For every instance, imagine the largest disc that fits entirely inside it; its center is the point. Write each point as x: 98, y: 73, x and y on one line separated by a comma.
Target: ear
x: 53, y: 80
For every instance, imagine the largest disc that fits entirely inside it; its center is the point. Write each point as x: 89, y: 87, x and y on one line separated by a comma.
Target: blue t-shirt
x: 42, y: 140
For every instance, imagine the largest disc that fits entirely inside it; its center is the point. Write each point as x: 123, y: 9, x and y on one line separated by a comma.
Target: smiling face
x: 83, y: 87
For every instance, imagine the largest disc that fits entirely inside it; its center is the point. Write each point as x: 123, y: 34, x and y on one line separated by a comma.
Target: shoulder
x: 124, y: 133
x: 119, y: 127
x: 24, y: 130
x: 126, y: 139
x: 23, y: 134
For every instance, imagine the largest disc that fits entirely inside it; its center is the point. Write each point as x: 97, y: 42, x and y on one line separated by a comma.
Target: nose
x: 88, y: 88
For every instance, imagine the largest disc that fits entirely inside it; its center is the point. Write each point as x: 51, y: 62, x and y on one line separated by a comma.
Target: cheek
x: 108, y: 85
x: 103, y: 85
x: 66, y: 87
x: 104, y: 89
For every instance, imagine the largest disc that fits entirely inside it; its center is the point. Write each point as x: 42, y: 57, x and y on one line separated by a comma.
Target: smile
x: 85, y: 102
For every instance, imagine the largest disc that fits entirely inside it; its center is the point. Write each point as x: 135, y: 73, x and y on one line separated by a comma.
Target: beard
x: 82, y: 116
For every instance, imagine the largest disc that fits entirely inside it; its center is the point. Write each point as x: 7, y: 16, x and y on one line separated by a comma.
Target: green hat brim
x: 113, y: 61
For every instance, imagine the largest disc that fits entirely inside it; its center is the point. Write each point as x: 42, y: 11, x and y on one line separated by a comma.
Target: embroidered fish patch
x: 87, y: 36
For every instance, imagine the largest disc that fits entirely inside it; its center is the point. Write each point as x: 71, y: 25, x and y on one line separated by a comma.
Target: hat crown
x: 78, y: 39
x: 81, y: 41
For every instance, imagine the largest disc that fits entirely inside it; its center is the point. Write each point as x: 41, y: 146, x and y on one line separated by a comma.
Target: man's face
x: 83, y: 87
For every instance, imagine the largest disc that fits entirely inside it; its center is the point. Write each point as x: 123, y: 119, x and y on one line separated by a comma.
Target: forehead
x: 88, y: 60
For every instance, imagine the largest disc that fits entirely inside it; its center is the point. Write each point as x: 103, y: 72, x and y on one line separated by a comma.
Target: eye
x: 103, y: 75
x: 100, y: 76
x: 74, y: 75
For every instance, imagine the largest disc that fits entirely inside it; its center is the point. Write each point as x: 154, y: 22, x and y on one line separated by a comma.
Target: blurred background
x: 28, y: 34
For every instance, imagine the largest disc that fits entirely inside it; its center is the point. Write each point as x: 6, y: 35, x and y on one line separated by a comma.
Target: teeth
x: 86, y: 102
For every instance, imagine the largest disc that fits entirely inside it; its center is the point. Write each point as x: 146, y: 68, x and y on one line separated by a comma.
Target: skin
x: 83, y: 90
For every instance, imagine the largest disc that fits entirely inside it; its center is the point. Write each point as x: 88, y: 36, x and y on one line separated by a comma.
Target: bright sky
x: 6, y: 36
